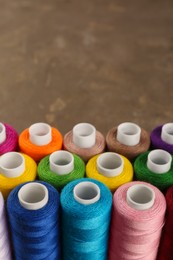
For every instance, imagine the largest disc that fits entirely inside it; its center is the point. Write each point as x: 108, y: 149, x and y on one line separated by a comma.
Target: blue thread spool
x: 33, y: 210
x: 86, y: 211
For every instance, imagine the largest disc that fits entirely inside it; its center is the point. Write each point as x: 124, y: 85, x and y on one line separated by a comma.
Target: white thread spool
x: 2, y: 133
x: 159, y: 161
x: 86, y: 192
x: 84, y: 135
x: 140, y: 197
x: 110, y: 164
x: 40, y: 134
x: 33, y: 196
x: 167, y: 133
x: 12, y: 164
x: 61, y: 162
x: 128, y: 134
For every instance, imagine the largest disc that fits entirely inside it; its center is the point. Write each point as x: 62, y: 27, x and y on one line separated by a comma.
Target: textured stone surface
x: 98, y: 61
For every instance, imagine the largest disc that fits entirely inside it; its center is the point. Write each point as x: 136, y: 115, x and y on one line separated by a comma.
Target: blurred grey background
x: 98, y: 61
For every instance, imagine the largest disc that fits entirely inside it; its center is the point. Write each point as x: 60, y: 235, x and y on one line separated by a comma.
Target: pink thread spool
x: 137, y: 221
x: 85, y: 141
x: 8, y: 139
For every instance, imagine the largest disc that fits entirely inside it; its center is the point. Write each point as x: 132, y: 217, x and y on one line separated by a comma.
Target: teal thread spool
x: 155, y: 167
x: 60, y: 168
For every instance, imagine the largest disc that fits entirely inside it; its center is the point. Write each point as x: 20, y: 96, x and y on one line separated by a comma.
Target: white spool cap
x: 128, y: 134
x: 40, y: 134
x: 86, y: 192
x: 33, y: 196
x: 61, y: 162
x: 159, y: 161
x: 2, y: 133
x: 167, y: 133
x: 12, y: 164
x: 110, y: 164
x: 140, y: 197
x: 84, y: 135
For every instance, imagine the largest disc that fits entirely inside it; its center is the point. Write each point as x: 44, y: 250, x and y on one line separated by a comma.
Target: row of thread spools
x: 135, y: 217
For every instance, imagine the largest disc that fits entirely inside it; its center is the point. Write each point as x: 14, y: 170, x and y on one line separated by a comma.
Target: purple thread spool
x: 8, y: 139
x: 160, y: 134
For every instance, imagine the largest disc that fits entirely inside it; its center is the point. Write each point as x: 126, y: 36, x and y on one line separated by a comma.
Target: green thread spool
x: 60, y: 168
x: 162, y: 180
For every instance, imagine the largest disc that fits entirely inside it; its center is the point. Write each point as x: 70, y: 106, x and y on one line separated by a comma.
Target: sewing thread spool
x: 166, y: 244
x: 128, y: 139
x: 60, y: 168
x: 137, y: 221
x: 15, y: 168
x: 111, y: 169
x: 5, y: 250
x: 40, y: 140
x: 162, y: 137
x: 86, y: 209
x: 155, y: 167
x: 85, y: 141
x: 33, y: 210
x: 8, y: 139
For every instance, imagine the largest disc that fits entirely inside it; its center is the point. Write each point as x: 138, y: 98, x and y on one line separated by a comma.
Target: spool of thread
x: 33, y: 210
x: 166, y: 244
x: 40, y: 140
x: 155, y: 167
x: 60, y: 168
x: 162, y: 137
x: 8, y: 139
x: 15, y: 168
x: 86, y: 209
x: 128, y: 139
x: 111, y: 169
x: 137, y: 221
x: 85, y: 141
x: 5, y: 250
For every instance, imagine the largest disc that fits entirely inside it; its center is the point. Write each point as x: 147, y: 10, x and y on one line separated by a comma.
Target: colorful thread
x: 7, y: 184
x: 39, y: 152
x: 85, y: 228
x: 59, y: 181
x: 111, y: 182
x: 11, y: 142
x: 35, y: 233
x: 135, y: 234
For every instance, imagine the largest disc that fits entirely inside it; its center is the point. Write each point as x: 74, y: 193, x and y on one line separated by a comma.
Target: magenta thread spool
x: 8, y: 139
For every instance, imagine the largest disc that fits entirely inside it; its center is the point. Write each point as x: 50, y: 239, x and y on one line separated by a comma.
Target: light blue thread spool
x: 86, y: 211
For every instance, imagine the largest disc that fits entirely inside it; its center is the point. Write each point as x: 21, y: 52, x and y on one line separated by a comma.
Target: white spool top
x: 40, y: 134
x: 33, y: 196
x: 110, y: 164
x: 167, y: 133
x: 86, y: 192
x: 140, y: 197
x: 128, y: 134
x: 84, y: 135
x: 61, y: 162
x: 12, y: 164
x: 159, y: 161
x: 2, y: 133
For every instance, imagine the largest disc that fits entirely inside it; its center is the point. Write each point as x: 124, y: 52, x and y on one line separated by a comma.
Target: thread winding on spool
x: 86, y: 209
x: 111, y: 169
x: 5, y: 250
x: 84, y: 141
x: 8, y: 139
x: 166, y: 244
x: 128, y: 139
x: 162, y: 137
x: 33, y: 210
x: 15, y: 168
x: 40, y: 140
x: 155, y: 167
x: 137, y: 221
x: 60, y: 168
